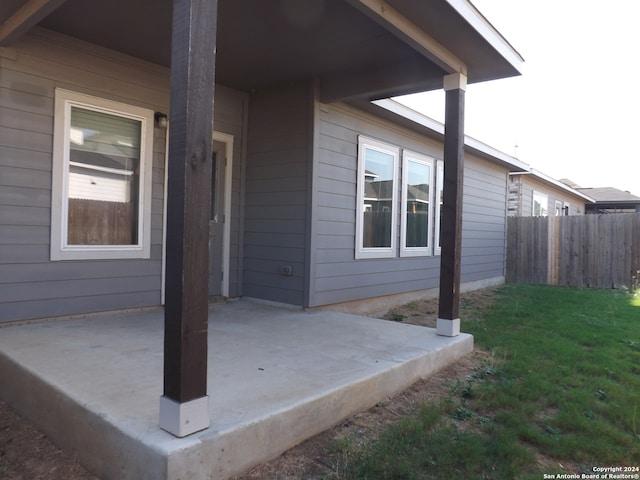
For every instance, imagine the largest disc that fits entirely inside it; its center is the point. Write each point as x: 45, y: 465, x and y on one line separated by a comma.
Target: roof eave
x: 25, y: 17
x: 435, y: 129
x: 480, y: 23
x: 543, y: 177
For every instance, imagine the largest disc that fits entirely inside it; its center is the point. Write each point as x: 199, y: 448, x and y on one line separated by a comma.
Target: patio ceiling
x: 352, y: 49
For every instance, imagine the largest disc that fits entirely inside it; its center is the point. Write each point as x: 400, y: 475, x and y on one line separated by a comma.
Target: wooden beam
x: 189, y: 191
x: 448, y: 322
x: 27, y: 16
x: 403, y: 28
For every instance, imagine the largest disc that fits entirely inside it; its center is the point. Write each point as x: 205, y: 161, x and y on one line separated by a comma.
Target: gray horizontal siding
x: 32, y: 286
x: 382, y: 284
x: 25, y: 187
x: 230, y: 118
x: 23, y: 234
x: 60, y: 306
x: 484, y: 221
x: 379, y: 280
x: 338, y: 277
x: 24, y: 160
x: 276, y: 200
x: 66, y: 271
x: 15, y: 292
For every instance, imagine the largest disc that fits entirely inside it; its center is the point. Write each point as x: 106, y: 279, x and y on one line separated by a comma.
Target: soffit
x: 466, y: 32
x: 262, y: 43
x: 7, y: 7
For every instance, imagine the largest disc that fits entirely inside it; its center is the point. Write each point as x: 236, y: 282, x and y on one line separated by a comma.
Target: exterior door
x: 217, y: 219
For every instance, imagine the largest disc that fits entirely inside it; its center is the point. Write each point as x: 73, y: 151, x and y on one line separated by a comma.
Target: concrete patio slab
x: 276, y: 377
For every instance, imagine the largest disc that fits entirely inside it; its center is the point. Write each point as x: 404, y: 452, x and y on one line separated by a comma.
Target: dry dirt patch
x: 27, y: 454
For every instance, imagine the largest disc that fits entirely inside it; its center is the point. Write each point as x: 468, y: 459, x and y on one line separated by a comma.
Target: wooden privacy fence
x: 93, y: 222
x: 600, y: 251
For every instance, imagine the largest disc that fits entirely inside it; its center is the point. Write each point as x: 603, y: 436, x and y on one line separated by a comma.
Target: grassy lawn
x: 560, y: 394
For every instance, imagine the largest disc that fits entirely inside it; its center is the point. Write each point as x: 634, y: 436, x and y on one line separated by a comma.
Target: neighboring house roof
x: 383, y: 191
x: 418, y: 193
x: 570, y: 183
x: 611, y: 200
x: 610, y: 195
x: 379, y: 191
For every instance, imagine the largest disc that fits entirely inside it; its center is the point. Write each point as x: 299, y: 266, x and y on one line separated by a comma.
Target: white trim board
x: 227, y: 139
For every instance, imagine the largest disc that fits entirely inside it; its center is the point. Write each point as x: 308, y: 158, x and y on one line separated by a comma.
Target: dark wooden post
x: 184, y: 407
x: 448, y: 323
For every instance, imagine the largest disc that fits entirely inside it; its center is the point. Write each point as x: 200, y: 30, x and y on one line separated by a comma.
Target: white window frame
x: 60, y: 249
x: 438, y: 188
x: 365, y: 143
x: 558, y: 207
x: 539, y: 196
x: 409, y: 156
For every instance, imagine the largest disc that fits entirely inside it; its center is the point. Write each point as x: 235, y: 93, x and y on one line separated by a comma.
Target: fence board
x: 93, y: 222
x: 541, y: 249
x: 600, y: 251
x: 635, y: 253
x: 592, y: 257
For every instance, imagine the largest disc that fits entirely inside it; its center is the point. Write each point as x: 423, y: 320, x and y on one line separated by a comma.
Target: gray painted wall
x: 230, y: 116
x: 277, y: 166
x: 338, y: 277
x: 483, y: 220
x: 278, y: 173
x: 31, y: 286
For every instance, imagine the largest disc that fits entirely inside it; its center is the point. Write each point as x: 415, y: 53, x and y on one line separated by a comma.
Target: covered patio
x: 241, y: 382
x: 277, y: 376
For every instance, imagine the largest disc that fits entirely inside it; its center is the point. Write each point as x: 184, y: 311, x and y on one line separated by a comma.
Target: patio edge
x: 240, y: 449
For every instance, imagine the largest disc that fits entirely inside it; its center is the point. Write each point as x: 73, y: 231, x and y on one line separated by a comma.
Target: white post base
x: 448, y: 328
x: 182, y: 419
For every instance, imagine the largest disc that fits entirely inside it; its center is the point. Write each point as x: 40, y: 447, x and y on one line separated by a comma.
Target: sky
x: 575, y: 111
